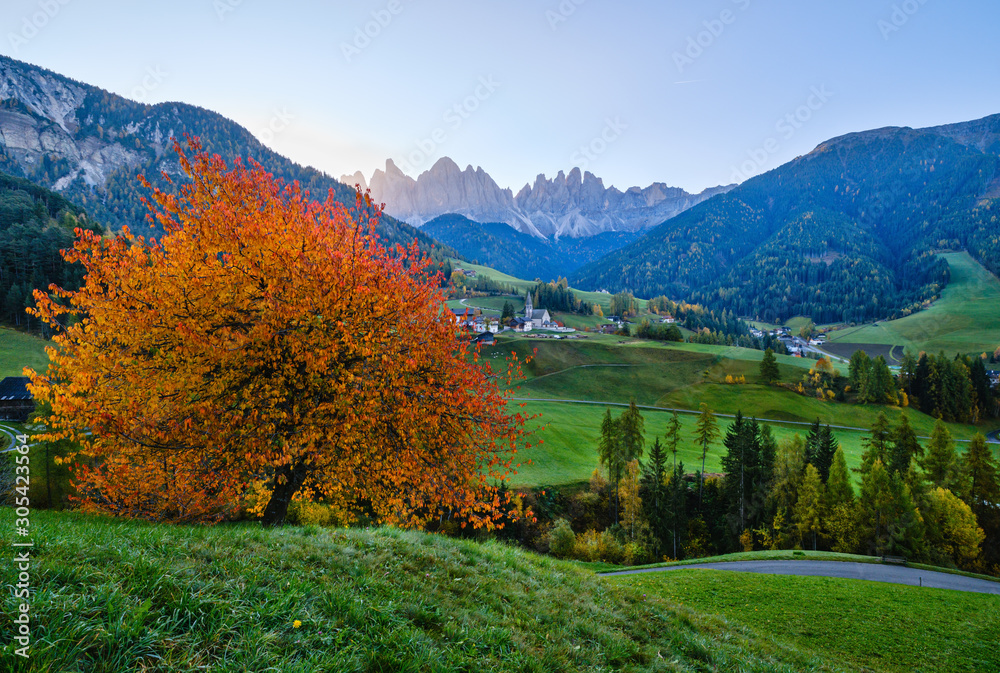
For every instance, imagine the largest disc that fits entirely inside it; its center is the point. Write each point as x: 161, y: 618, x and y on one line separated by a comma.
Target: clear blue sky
x: 535, y: 81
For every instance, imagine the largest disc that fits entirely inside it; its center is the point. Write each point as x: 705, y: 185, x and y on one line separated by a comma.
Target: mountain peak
x: 573, y: 204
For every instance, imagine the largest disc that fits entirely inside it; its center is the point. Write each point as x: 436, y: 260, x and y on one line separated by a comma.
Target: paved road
x: 873, y: 572
x: 7, y: 436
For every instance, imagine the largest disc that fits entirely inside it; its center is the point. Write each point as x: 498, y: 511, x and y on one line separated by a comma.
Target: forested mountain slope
x: 847, y: 232
x: 91, y: 145
x: 35, y: 224
x: 502, y: 247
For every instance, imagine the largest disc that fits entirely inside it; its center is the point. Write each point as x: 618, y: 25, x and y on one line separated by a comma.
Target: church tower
x: 528, y: 310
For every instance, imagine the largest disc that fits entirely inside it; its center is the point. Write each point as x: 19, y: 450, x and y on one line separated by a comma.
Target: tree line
x: 924, y: 502
x: 35, y: 224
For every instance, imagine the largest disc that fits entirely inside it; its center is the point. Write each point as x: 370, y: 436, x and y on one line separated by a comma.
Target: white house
x: 537, y: 316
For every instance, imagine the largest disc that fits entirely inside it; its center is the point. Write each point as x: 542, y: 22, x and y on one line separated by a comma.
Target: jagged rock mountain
x: 91, y: 145
x: 570, y: 205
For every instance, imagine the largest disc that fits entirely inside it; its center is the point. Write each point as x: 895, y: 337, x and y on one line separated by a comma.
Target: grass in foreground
x: 867, y: 625
x: 128, y: 596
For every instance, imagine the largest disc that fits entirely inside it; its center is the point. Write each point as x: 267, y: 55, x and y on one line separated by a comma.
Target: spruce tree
x: 706, y: 432
x: 828, y: 446
x: 877, y: 444
x: 808, y: 513
x: 654, y: 500
x: 677, y: 517
x: 812, y: 442
x: 941, y: 463
x: 980, y: 489
x: 904, y: 448
x: 838, y: 486
x: 610, y: 453
x: 769, y: 372
x: 673, y: 436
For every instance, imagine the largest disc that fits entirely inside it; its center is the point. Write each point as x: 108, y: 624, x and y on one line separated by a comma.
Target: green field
x: 681, y: 376
x: 867, y: 625
x: 966, y: 319
x: 523, y: 286
x: 115, y: 596
x: 19, y: 350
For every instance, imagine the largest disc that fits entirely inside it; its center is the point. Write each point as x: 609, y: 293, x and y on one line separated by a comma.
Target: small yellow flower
x: 296, y: 624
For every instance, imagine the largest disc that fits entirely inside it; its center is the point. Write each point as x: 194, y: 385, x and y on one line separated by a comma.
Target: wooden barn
x: 16, y: 403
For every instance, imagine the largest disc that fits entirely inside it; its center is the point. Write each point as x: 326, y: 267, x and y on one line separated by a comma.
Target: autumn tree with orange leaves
x: 272, y: 340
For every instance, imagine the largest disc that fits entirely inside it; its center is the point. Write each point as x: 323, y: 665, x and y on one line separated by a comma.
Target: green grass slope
x: 868, y: 625
x: 613, y: 370
x: 19, y: 350
x: 115, y: 597
x: 966, y: 319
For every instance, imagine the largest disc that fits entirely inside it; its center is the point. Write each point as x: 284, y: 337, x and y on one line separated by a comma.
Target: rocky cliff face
x: 574, y: 205
x: 40, y: 118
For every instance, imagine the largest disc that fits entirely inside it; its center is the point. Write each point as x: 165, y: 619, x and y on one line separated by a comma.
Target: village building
x: 16, y: 402
x: 539, y: 317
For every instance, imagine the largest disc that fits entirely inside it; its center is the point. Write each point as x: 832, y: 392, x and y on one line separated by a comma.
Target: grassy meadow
x: 112, y: 596
x: 867, y: 625
x: 966, y: 318
x: 676, y: 376
x: 19, y: 350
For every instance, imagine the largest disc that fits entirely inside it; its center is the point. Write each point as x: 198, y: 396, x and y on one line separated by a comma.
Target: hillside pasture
x: 19, y: 350
x: 965, y: 319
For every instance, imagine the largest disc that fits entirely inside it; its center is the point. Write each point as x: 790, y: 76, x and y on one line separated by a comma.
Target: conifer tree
x: 904, y: 447
x: 610, y: 453
x: 828, y: 446
x: 655, y: 476
x: 980, y: 489
x: 769, y: 372
x: 838, y: 486
x: 941, y: 463
x: 677, y: 518
x: 706, y: 432
x: 809, y: 509
x: 876, y: 444
x: 673, y: 436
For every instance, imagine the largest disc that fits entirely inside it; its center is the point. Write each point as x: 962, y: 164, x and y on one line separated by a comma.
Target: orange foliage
x: 269, y: 337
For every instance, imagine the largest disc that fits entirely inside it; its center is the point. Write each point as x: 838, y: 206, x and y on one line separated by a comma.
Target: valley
x: 265, y: 444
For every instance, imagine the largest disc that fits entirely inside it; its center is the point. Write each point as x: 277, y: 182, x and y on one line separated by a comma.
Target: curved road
x: 9, y: 434
x: 873, y: 572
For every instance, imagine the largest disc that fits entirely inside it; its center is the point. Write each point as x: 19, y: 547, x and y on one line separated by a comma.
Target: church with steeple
x: 537, y: 316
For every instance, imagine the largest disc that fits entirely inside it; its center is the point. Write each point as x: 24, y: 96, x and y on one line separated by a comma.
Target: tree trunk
x: 287, y: 481
x: 701, y: 483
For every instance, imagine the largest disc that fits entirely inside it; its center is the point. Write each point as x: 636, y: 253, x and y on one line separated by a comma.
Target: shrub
x: 562, y: 540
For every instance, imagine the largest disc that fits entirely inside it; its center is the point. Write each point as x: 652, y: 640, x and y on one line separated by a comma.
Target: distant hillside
x: 35, y: 224
x: 497, y: 245
x: 845, y: 233
x: 90, y: 145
